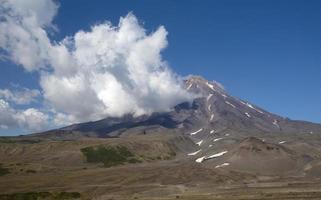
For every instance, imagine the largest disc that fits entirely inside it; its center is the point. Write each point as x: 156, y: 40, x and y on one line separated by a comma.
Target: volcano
x: 212, y: 111
x: 215, y: 141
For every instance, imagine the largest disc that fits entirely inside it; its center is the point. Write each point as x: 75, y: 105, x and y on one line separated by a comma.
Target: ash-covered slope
x: 213, y: 111
x: 224, y: 112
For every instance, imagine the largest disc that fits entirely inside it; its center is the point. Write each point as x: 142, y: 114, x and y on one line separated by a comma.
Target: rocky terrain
x: 215, y: 147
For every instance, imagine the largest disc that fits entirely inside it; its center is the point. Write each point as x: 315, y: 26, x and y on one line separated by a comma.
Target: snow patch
x: 216, y: 155
x: 199, y: 160
x: 209, y: 97
x: 282, y: 142
x: 196, y: 132
x: 210, y: 145
x: 209, y: 107
x: 194, y: 153
x: 217, y: 139
x: 212, y: 117
x: 190, y: 85
x: 224, y: 95
x: 230, y: 104
x: 248, y: 115
x: 222, y: 165
x: 210, y: 86
x: 212, y: 131
x: 227, y: 134
x: 199, y: 143
x: 250, y: 106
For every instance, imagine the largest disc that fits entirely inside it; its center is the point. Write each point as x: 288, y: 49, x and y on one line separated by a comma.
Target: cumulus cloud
x: 31, y: 119
x: 21, y: 96
x: 22, y: 31
x: 110, y: 70
x: 116, y: 70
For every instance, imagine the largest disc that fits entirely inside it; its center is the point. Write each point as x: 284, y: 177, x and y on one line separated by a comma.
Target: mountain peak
x: 197, y: 84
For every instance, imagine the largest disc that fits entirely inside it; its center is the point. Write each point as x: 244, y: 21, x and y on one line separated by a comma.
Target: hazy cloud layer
x: 22, y: 96
x: 30, y: 119
x: 107, y: 71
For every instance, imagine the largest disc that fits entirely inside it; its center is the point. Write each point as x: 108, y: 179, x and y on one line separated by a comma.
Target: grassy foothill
x: 109, y: 155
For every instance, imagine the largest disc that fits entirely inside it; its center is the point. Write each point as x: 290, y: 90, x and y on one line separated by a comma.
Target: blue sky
x: 267, y: 52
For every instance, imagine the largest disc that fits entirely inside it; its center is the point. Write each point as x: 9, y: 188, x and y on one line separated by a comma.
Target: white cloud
x: 6, y: 115
x: 20, y: 96
x: 22, y: 31
x: 61, y: 119
x: 30, y: 119
x: 107, y: 71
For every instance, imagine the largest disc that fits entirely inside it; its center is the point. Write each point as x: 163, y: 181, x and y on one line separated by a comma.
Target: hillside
x: 210, y: 148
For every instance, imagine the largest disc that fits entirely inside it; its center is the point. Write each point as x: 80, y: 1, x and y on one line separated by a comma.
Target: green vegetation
x: 119, y: 155
x: 40, y: 196
x: 31, y: 171
x: 3, y: 171
x: 109, y: 156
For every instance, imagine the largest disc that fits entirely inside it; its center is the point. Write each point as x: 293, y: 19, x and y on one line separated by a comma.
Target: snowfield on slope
x: 203, y: 158
x: 217, y: 139
x: 193, y: 133
x: 194, y: 153
x: 217, y: 155
x: 222, y: 165
x: 199, y: 143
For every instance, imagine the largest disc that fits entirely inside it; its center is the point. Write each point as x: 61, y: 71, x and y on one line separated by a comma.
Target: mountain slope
x: 213, y: 109
x: 216, y: 142
x: 226, y: 112
x: 218, y: 124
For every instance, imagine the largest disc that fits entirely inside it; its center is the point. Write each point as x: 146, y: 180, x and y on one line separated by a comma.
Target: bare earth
x: 57, y: 166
